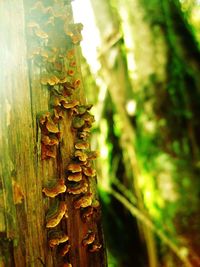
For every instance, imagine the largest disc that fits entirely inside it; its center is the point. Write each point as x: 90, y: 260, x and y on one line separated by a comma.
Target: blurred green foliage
x: 191, y: 10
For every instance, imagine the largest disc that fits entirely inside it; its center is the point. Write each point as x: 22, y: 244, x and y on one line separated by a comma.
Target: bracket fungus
x: 58, y: 113
x: 76, y: 83
x: 78, y: 188
x: 95, y: 247
x: 67, y: 264
x: 86, y: 129
x: 56, y: 189
x: 56, y: 238
x: 87, y: 117
x: 77, y: 122
x: 64, y: 250
x: 82, y: 144
x: 49, y: 79
x: 44, y: 117
x: 40, y: 33
x: 74, y: 32
x: 92, y: 155
x: 54, y: 218
x: 89, y: 171
x: 84, y: 201
x: 72, y: 63
x: 56, y: 57
x: 75, y: 177
x: 51, y: 126
x: 48, y: 151
x: 70, y: 54
x: 87, y: 213
x: 95, y: 203
x: 81, y: 109
x: 88, y: 239
x: 83, y: 135
x: 71, y: 104
x: 71, y: 72
x: 68, y: 86
x: 74, y: 167
x: 81, y: 155
x: 50, y: 141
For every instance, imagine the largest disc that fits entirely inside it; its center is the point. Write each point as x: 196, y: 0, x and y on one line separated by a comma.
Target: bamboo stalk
x: 148, y: 223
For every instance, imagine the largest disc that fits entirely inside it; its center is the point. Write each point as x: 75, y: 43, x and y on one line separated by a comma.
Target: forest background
x: 142, y: 73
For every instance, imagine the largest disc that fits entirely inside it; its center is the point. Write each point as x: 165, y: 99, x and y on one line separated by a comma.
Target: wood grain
x: 23, y: 236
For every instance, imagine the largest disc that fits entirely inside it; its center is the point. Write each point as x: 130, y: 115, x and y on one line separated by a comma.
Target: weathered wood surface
x: 23, y: 236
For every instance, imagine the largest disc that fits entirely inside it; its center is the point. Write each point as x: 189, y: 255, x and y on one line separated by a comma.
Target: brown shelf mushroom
x: 51, y: 126
x: 53, y: 219
x: 88, y: 239
x: 58, y: 188
x: 87, y: 213
x: 65, y: 250
x: 77, y: 122
x: 67, y: 264
x: 89, y: 171
x: 83, y: 201
x: 79, y: 188
x: 75, y: 177
x: 56, y: 238
x: 81, y: 155
x: 71, y: 104
x: 47, y: 140
x: 74, y: 167
x: 95, y: 247
x: 82, y: 145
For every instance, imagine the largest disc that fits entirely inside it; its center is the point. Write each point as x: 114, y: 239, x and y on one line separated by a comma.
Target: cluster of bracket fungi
x: 52, y: 39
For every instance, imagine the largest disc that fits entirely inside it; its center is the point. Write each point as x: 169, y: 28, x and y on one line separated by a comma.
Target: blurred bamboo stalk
x: 148, y: 223
x: 115, y: 75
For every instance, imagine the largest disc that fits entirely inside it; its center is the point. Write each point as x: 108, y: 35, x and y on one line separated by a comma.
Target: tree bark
x: 39, y: 48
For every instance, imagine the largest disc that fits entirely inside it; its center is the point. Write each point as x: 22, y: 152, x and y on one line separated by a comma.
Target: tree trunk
x: 41, y: 123
x: 115, y: 74
x: 166, y: 84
